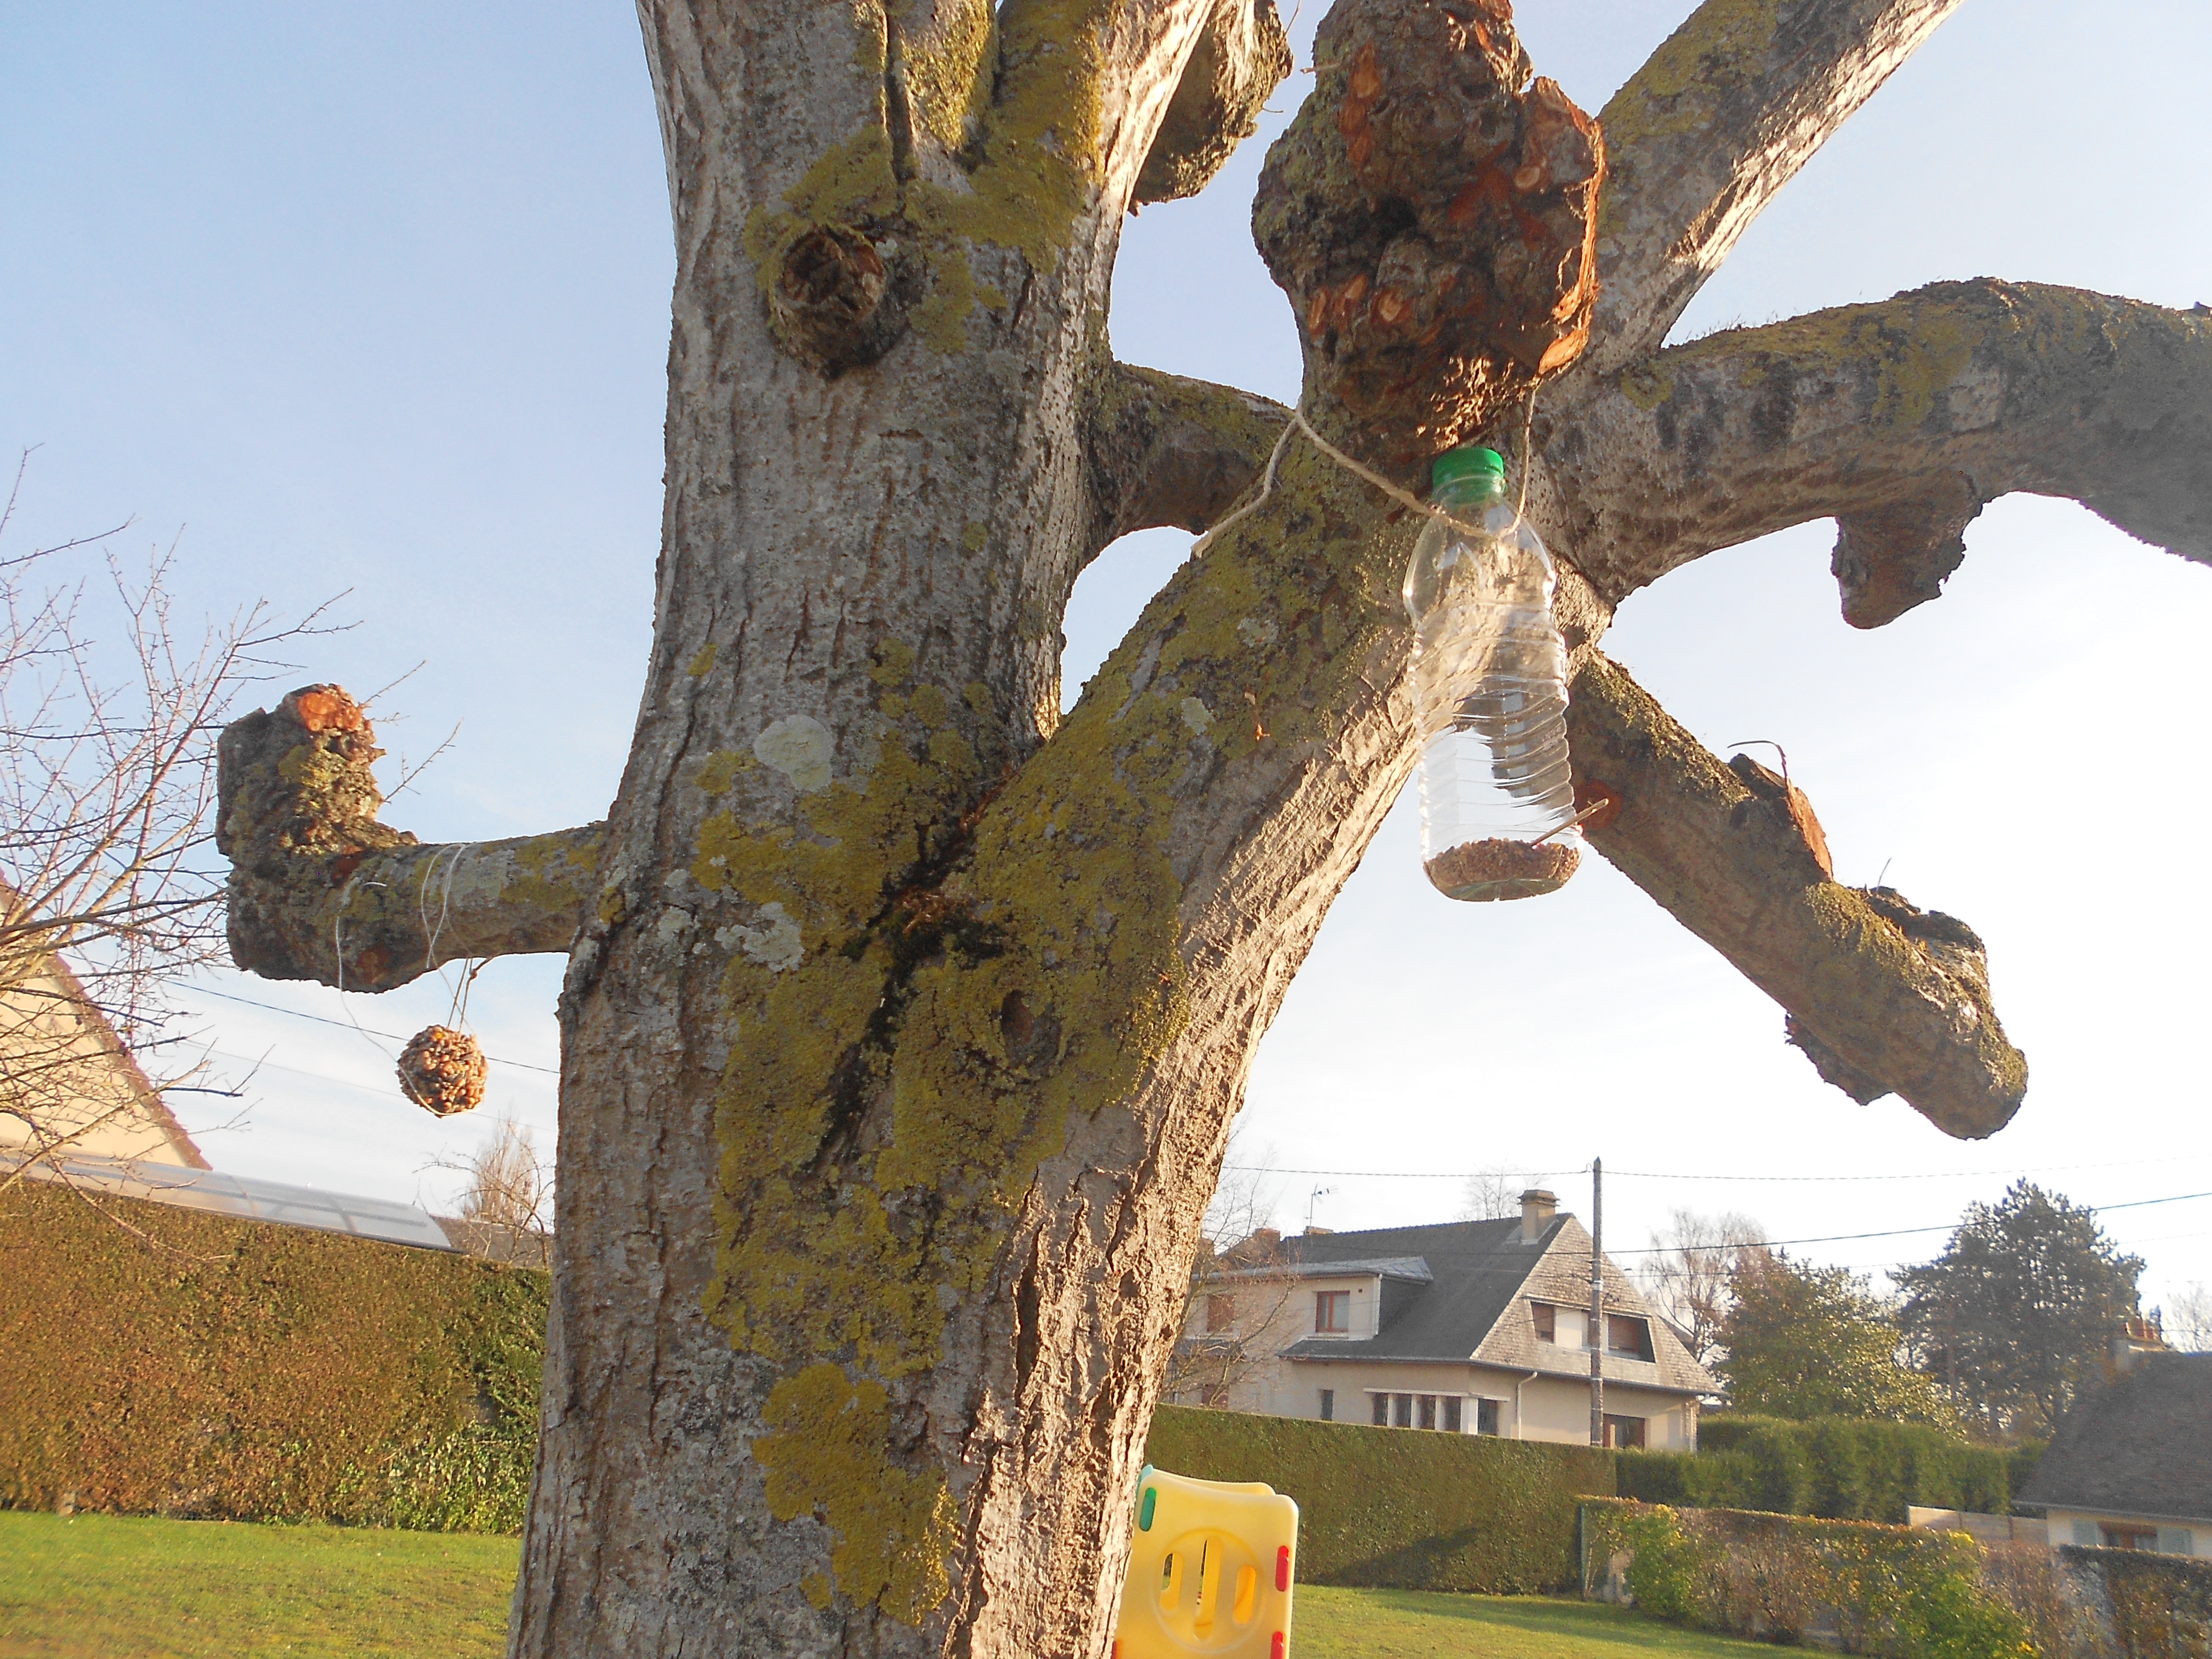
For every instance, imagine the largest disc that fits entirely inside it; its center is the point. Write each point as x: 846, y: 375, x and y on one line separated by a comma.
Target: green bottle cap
x: 1472, y: 462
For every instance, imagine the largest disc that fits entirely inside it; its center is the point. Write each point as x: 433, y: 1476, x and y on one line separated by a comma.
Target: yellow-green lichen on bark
x: 1040, y: 167
x: 1721, y: 44
x: 890, y: 1099
x: 1900, y: 356
x: 1646, y: 385
x: 1680, y: 89
x: 555, y: 871
x: 1041, y: 980
x: 1039, y: 148
x: 852, y: 182
x: 824, y: 1456
x: 948, y: 74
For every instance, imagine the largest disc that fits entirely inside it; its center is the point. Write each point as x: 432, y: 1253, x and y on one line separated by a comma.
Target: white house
x: 2130, y: 1466
x: 1467, y: 1328
x: 67, y: 1082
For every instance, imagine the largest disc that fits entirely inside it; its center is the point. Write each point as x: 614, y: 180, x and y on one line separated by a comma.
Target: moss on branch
x: 320, y: 889
x: 1902, y: 418
x: 1716, y: 120
x: 1883, y: 997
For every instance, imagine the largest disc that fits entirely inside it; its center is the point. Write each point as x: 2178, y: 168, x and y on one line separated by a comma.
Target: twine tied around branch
x: 1405, y: 498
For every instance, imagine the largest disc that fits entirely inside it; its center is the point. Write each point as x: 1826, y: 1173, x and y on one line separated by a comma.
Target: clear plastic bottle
x: 1490, y: 688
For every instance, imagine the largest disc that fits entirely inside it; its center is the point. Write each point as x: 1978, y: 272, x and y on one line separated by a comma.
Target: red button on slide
x: 1283, y: 1567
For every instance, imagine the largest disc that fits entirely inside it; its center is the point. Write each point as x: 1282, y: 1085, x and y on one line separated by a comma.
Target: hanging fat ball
x: 442, y: 1071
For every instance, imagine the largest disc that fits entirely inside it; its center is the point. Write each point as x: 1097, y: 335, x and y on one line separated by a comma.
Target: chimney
x: 1537, y: 1209
x: 2137, y: 1339
x: 1313, y: 1231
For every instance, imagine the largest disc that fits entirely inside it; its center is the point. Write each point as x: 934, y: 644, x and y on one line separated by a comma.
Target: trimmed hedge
x: 2158, y: 1607
x: 1855, y: 1585
x: 1832, y: 1467
x: 1396, y: 1509
x: 237, y: 1370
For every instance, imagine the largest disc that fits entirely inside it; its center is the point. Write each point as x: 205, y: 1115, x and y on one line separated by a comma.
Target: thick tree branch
x: 1705, y: 134
x: 1883, y: 997
x: 319, y: 889
x: 1242, y: 55
x: 1903, y: 418
x: 1149, y: 880
x: 1164, y: 450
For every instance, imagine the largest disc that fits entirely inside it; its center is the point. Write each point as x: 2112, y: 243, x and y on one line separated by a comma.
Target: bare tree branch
x: 1242, y: 55
x: 1164, y: 450
x: 319, y: 889
x: 109, y: 713
x: 1883, y: 997
x: 1701, y: 136
x: 1904, y: 418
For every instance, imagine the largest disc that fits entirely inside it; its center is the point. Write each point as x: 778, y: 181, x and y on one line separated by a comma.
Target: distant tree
x: 1805, y: 1342
x: 2015, y: 1316
x: 1686, y: 1275
x: 1492, y: 1195
x: 110, y: 890
x: 506, y: 1196
x: 1240, y: 1287
x: 2188, y: 1322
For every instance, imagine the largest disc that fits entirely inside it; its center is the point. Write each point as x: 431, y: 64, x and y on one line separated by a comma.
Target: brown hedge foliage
x: 1397, y: 1508
x: 244, y: 1370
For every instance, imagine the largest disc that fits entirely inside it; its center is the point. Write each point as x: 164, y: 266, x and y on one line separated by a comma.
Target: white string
x: 1407, y: 499
x: 337, y: 952
x: 1266, y: 488
x: 1528, y: 432
x: 456, y: 1007
x: 445, y: 900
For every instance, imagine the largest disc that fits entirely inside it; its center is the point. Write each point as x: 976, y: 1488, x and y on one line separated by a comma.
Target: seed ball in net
x: 442, y: 1071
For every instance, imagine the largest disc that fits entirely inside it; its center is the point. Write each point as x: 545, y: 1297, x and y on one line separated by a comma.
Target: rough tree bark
x: 904, y: 1019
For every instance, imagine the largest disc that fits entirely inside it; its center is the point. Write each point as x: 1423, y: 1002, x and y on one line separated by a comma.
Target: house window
x: 2119, y: 1536
x: 1452, y: 1419
x: 1623, y: 1431
x: 1381, y: 1411
x: 2176, y: 1540
x: 1548, y: 1321
x: 1405, y: 1413
x: 1331, y: 1312
x: 1627, y: 1336
x: 1328, y: 1405
x: 1220, y: 1313
x: 1427, y: 1403
x: 1486, y: 1416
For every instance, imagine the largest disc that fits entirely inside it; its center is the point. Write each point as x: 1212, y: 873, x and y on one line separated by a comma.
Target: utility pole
x: 1596, y: 1333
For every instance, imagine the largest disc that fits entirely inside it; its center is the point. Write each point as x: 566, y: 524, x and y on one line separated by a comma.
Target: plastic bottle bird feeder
x: 1210, y: 1571
x: 1489, y: 672
x: 443, y: 1071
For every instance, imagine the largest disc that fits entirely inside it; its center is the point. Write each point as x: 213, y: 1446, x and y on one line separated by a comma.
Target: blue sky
x: 374, y: 300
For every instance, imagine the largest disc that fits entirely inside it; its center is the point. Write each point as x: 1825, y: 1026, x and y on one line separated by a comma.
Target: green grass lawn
x: 1363, y: 1624
x: 105, y: 1587
x: 108, y: 1587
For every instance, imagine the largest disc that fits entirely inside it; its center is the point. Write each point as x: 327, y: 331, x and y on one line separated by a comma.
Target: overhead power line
x: 348, y: 1025
x: 1664, y: 1175
x: 1902, y: 1232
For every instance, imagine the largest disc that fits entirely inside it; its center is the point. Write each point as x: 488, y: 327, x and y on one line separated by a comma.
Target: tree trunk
x: 823, y: 1237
